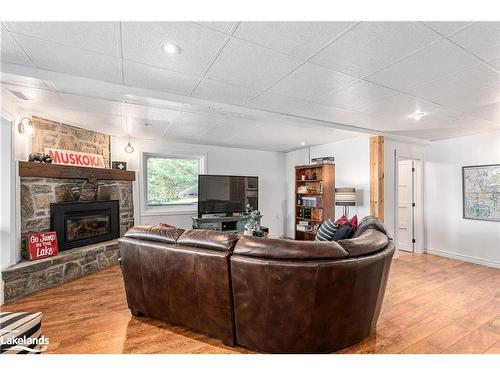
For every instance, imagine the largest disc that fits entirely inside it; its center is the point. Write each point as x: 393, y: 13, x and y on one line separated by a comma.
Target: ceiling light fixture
x: 128, y: 148
x: 417, y: 115
x: 302, y: 143
x: 26, y: 126
x: 171, y: 49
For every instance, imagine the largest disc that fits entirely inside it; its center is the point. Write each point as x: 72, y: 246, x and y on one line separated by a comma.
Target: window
x: 171, y: 180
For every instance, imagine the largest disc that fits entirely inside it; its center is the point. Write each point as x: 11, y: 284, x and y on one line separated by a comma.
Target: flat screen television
x: 219, y: 194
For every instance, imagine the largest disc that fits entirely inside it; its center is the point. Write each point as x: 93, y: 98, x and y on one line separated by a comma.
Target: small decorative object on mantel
x: 323, y: 160
x: 481, y: 194
x: 40, y: 157
x: 41, y: 245
x: 122, y: 165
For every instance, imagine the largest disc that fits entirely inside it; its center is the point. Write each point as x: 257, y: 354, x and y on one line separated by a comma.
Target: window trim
x: 159, y: 210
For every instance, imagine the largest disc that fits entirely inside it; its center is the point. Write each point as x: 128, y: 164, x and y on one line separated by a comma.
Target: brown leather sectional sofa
x: 270, y: 295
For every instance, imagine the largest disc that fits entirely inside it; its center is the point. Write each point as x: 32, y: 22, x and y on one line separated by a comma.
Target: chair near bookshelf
x: 313, y: 183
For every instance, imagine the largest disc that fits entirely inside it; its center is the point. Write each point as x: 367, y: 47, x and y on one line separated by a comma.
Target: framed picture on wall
x: 481, y: 192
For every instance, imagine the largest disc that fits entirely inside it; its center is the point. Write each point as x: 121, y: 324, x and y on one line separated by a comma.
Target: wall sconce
x: 128, y: 148
x: 26, y: 126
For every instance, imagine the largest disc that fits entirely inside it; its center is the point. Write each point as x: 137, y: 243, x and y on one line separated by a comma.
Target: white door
x: 405, y: 187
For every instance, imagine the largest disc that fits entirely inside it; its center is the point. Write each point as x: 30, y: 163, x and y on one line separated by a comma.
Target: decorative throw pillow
x: 345, y: 231
x: 354, y: 222
x: 341, y: 221
x: 326, y: 230
x: 20, y: 332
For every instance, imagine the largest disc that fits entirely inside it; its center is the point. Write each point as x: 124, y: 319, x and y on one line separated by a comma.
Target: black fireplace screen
x: 84, y: 223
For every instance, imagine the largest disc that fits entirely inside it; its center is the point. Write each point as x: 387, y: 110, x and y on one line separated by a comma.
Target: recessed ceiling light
x: 171, y: 49
x: 417, y: 115
x: 302, y: 143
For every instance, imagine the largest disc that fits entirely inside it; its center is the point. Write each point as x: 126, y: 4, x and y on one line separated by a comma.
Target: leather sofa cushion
x: 208, y: 239
x: 155, y: 233
x: 371, y: 222
x: 370, y: 241
x: 288, y: 249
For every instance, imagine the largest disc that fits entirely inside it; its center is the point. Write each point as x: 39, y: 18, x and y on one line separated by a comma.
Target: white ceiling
x: 368, y: 75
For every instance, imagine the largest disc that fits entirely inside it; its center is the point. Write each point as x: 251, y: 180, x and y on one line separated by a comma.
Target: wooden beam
x: 34, y: 169
x: 377, y: 176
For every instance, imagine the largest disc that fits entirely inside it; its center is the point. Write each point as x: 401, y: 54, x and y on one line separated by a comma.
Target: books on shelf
x: 312, y: 201
x: 304, y: 227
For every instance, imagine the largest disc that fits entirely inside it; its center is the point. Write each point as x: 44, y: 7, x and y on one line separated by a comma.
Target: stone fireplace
x: 89, y: 208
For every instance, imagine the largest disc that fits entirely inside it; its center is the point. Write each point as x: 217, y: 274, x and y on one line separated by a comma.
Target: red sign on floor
x: 41, y: 245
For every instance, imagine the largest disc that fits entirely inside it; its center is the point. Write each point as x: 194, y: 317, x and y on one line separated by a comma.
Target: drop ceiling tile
x: 402, y: 106
x: 222, y: 92
x: 372, y: 45
x: 142, y: 42
x: 224, y: 27
x: 245, y: 64
x: 310, y: 81
x: 153, y: 78
x: 339, y: 115
x: 356, y: 96
x: 488, y: 112
x: 438, y: 134
x: 276, y: 103
x: 446, y: 27
x: 476, y: 86
x: 299, y: 39
x: 432, y: 63
x: 481, y: 38
x: 495, y: 63
x: 63, y: 59
x: 102, y: 37
x: 11, y: 52
x: 184, y: 130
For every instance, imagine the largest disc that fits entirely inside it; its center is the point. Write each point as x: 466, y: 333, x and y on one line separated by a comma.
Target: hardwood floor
x: 432, y: 305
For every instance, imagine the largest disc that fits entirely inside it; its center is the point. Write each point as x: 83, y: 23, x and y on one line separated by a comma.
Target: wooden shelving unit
x: 320, y: 184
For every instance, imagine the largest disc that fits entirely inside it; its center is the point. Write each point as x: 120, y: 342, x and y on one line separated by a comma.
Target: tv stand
x: 222, y: 223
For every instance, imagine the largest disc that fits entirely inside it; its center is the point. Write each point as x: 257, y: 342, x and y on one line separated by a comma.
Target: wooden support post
x: 377, y: 176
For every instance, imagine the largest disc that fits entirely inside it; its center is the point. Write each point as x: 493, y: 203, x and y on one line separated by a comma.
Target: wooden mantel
x: 34, y: 169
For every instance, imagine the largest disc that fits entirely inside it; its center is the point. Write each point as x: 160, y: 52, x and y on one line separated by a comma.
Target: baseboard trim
x: 465, y: 258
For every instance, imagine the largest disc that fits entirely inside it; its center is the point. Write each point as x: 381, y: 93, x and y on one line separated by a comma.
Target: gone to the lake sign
x: 78, y: 159
x: 41, y: 245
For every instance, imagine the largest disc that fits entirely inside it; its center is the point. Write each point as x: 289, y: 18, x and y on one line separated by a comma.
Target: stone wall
x: 66, y: 137
x: 38, y: 193
x: 28, y: 277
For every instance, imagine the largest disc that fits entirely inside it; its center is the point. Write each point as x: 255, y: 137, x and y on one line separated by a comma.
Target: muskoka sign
x: 79, y: 159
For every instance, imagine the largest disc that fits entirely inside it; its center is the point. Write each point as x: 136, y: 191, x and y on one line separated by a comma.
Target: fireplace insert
x: 84, y: 223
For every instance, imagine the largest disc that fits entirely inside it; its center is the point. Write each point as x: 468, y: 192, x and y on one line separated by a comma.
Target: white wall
x: 268, y: 166
x: 446, y: 232
x: 7, y: 204
x: 352, y: 169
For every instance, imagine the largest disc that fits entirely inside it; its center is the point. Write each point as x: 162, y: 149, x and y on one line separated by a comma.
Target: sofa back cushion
x: 208, y: 239
x: 155, y: 233
x: 370, y: 241
x: 371, y: 222
x: 288, y: 249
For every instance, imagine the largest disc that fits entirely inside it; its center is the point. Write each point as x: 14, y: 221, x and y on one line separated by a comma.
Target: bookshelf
x: 314, y: 198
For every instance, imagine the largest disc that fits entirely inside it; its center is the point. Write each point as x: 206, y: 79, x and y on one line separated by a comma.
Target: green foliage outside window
x: 172, y: 181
